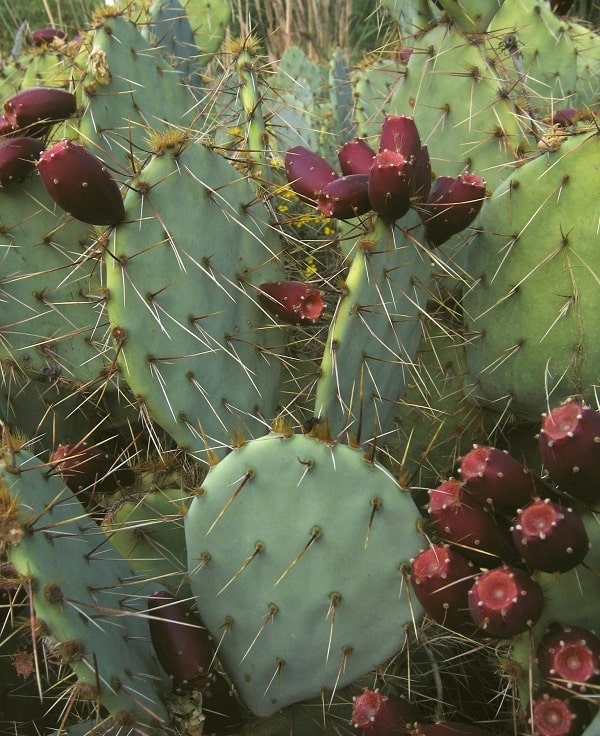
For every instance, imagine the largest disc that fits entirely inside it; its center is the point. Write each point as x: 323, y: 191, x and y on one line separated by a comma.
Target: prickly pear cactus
x: 293, y: 540
x: 531, y: 314
x: 85, y: 598
x: 183, y: 272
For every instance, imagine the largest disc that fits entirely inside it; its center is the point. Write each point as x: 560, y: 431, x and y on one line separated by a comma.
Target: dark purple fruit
x: 42, y: 36
x: 399, y: 134
x: 441, y: 578
x: 356, y: 157
x: 181, y: 643
x: 382, y: 715
x: 346, y: 197
x: 391, y: 183
x: 554, y: 715
x: 17, y: 158
x: 80, y: 184
x: 307, y: 173
x: 34, y: 110
x: 550, y: 537
x: 452, y: 205
x: 570, y: 656
x: 505, y: 601
x: 465, y: 524
x: 569, y: 443
x: 494, y: 477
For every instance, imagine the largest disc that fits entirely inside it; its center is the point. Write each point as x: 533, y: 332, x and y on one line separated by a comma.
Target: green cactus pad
x: 86, y: 598
x: 531, y: 315
x: 52, y: 322
x: 296, y: 550
x: 182, y: 272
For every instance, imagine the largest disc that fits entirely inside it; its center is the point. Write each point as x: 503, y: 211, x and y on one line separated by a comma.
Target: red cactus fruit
x: 399, y: 134
x: 566, y: 116
x: 391, y: 184
x: 42, y: 36
x: 345, y: 197
x: 356, y: 157
x: 6, y: 128
x: 17, y: 158
x: 570, y: 655
x: 307, y: 173
x: 462, y: 522
x: 494, y: 477
x: 182, y: 645
x: 382, y: 715
x: 452, y: 205
x: 292, y: 301
x: 569, y: 443
x: 85, y: 467
x: 441, y: 578
x: 550, y: 537
x: 80, y: 184
x: 558, y: 716
x: 448, y: 728
x: 36, y: 109
x: 505, y: 601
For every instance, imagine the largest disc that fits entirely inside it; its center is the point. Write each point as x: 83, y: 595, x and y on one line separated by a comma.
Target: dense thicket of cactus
x: 261, y: 344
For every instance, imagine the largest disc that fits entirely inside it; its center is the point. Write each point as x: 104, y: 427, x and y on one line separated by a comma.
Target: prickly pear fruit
x: 356, y: 157
x: 553, y: 715
x: 307, y: 173
x: 570, y: 655
x: 382, y: 715
x: 462, y: 522
x: 42, y: 36
x: 36, y: 109
x: 292, y: 301
x: 441, y: 578
x: 345, y: 197
x: 399, y: 133
x: 182, y: 645
x: 81, y: 184
x: 391, y: 184
x: 569, y: 443
x: 494, y: 477
x: 452, y: 205
x: 505, y: 601
x: 550, y: 537
x: 17, y: 157
x: 90, y: 467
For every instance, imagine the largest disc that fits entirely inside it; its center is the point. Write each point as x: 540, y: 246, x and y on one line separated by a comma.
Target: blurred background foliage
x: 318, y: 26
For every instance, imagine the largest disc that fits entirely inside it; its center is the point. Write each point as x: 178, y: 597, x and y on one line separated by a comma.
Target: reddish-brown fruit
x: 462, y: 522
x: 566, y: 116
x: 569, y: 443
x: 6, y: 128
x: 505, y: 601
x: 80, y: 184
x: 399, y: 134
x: 441, y: 578
x: 42, y: 36
x: 559, y: 716
x: 346, y: 197
x: 448, y: 728
x: 382, y: 715
x: 391, y: 184
x: 307, y: 173
x: 550, y: 537
x: 90, y: 468
x: 34, y: 110
x: 452, y: 205
x: 182, y: 645
x: 292, y: 301
x: 356, y: 157
x: 494, y: 477
x: 570, y: 656
x: 17, y: 158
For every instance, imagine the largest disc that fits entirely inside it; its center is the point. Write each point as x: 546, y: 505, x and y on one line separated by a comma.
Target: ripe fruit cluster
x: 389, y: 182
